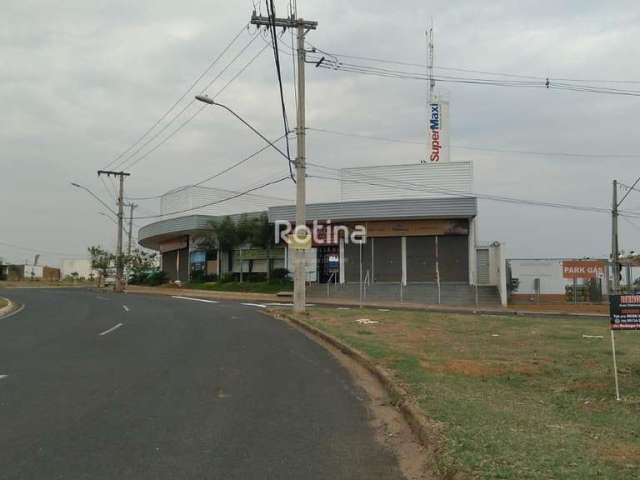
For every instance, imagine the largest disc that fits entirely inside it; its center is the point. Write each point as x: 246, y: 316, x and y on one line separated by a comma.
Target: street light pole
x: 302, y: 26
x: 119, y: 286
x: 299, y: 275
x: 132, y: 206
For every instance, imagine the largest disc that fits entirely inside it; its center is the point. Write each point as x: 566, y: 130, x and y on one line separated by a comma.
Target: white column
x: 403, y: 249
x: 473, y: 260
x: 342, y: 272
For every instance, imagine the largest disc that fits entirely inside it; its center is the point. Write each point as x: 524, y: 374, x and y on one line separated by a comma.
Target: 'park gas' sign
x: 583, y: 268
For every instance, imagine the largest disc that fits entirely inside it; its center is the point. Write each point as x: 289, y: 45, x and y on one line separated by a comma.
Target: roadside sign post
x: 615, y: 365
x: 624, y: 313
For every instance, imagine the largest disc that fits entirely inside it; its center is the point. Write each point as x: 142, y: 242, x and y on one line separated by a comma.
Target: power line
x: 240, y: 194
x: 547, y: 83
x: 471, y: 147
x: 163, y: 116
x: 403, y: 185
x: 466, y: 70
x: 211, y: 177
x: 271, y: 13
x: 34, y: 250
x: 122, y: 163
x: 197, y: 112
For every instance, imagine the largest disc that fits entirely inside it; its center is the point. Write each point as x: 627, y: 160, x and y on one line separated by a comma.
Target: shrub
x: 227, y: 277
x: 156, y: 278
x: 279, y: 273
x: 255, y: 277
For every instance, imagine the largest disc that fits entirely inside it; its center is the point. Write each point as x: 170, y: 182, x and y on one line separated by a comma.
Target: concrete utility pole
x: 614, y: 238
x: 302, y: 27
x: 119, y: 286
x: 132, y: 206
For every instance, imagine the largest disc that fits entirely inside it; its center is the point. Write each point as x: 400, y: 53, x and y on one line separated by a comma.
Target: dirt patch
x: 621, y: 453
x: 589, y: 385
x: 482, y: 369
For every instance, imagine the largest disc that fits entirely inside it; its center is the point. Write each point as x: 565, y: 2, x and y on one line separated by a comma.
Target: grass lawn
x: 253, y: 287
x: 518, y: 398
x: 3, y: 302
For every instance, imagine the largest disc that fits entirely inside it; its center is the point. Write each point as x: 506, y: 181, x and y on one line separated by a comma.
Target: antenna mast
x: 432, y: 82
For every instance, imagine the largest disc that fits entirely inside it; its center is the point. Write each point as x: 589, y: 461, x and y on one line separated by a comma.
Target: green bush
x: 157, y: 278
x: 279, y: 274
x: 227, y: 277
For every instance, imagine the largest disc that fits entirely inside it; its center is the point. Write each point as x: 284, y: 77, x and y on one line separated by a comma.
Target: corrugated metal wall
x: 406, y: 181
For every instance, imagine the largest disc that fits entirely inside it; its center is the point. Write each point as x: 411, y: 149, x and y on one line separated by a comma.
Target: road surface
x: 95, y: 385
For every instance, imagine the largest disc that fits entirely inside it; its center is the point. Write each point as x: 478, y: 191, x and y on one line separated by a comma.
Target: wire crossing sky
x: 88, y: 86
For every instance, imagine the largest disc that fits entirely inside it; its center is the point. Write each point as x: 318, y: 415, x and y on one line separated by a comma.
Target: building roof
x: 414, y: 208
x: 150, y: 236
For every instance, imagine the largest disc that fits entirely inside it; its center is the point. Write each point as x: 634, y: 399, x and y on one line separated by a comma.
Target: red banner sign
x: 583, y: 268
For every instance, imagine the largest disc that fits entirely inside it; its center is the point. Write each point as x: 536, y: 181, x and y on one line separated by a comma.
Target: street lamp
x: 210, y: 101
x: 82, y: 187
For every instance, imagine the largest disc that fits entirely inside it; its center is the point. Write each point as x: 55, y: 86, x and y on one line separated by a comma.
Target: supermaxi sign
x: 438, y: 133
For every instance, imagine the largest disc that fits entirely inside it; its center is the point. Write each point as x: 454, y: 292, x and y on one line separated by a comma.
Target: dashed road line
x: 194, y: 299
x: 3, y: 377
x: 115, y: 327
x: 126, y: 309
x: 255, y: 305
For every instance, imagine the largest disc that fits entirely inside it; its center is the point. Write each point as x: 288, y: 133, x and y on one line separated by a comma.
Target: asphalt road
x: 180, y: 390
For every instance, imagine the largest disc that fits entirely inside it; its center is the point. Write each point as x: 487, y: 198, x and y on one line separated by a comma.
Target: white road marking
x: 255, y: 305
x: 126, y: 309
x: 194, y: 299
x: 115, y: 327
x: 3, y: 376
x: 287, y: 304
x: 101, y: 298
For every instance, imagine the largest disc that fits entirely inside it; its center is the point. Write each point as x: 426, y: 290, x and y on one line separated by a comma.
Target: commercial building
x: 29, y: 272
x: 420, y: 237
x: 80, y: 267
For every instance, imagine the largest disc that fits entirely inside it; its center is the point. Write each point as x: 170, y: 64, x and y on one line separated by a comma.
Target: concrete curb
x: 418, y: 422
x: 10, y: 309
x: 461, y: 310
x: 212, y: 294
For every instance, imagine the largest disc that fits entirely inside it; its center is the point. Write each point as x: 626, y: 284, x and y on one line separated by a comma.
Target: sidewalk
x: 271, y: 298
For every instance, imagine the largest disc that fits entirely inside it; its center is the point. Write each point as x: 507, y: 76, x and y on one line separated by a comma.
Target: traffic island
x: 7, y: 307
x: 507, y: 397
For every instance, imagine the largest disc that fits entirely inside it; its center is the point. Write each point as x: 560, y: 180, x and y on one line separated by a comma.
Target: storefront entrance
x: 329, y: 264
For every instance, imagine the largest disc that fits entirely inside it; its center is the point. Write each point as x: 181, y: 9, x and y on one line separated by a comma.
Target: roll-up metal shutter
x: 169, y: 264
x: 387, y: 259
x: 421, y: 259
x: 352, y: 261
x: 483, y: 266
x: 183, y: 274
x: 453, y: 258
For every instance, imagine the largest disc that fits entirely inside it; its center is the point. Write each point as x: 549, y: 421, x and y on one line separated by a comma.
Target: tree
x: 262, y: 236
x: 224, y: 235
x: 101, y: 261
x: 140, y: 261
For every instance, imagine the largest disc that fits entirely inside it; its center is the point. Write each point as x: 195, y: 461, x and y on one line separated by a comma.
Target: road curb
x: 10, y: 309
x: 422, y: 428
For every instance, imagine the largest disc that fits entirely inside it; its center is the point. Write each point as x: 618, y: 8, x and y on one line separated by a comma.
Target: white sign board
x: 438, y: 132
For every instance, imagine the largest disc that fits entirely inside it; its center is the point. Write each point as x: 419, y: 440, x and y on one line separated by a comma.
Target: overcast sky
x: 81, y: 80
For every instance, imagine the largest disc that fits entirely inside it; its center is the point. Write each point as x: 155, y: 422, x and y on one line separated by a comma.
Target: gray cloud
x: 82, y: 80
